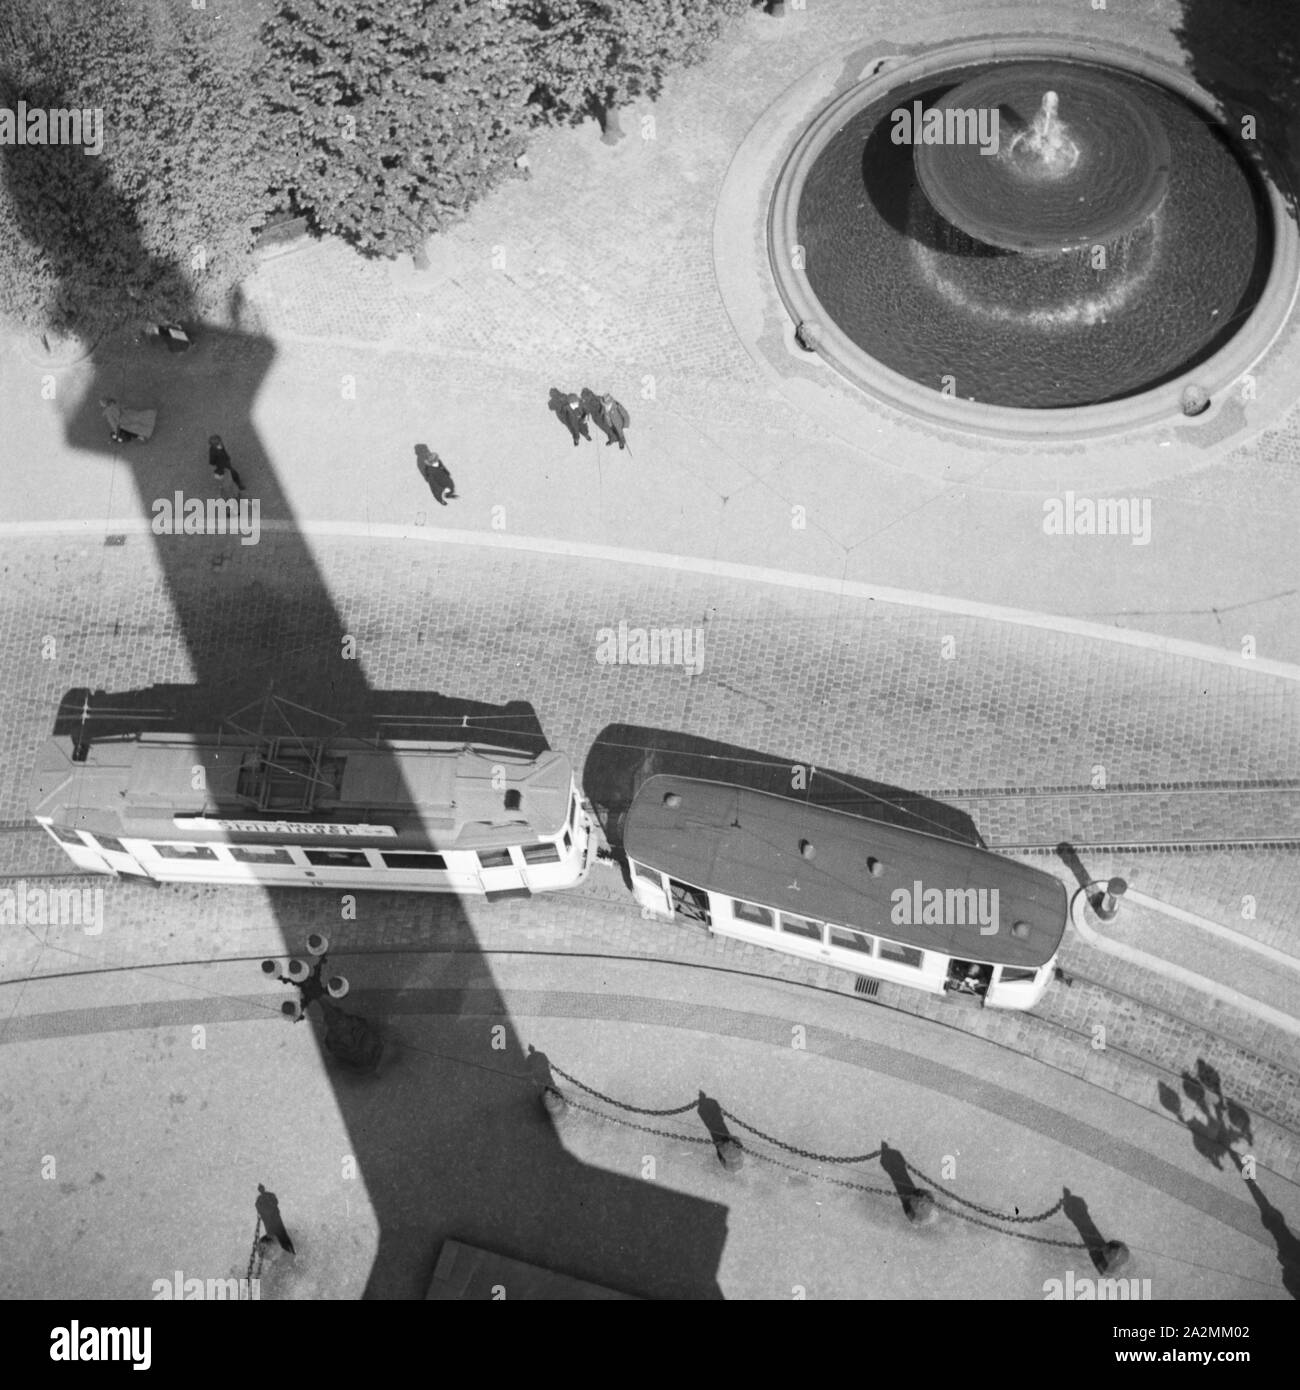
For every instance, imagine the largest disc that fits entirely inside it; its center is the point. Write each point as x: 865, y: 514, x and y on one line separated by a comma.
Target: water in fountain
x: 1043, y: 149
x: 1114, y: 208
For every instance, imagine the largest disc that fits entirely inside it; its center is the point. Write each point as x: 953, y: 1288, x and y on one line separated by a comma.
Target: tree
x: 158, y: 224
x: 388, y: 118
x: 588, y: 56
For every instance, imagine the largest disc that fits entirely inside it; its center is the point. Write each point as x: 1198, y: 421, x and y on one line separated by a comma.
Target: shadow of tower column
x: 429, y: 1172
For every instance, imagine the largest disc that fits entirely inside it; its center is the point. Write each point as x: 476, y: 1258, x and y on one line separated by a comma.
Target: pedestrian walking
x: 219, y: 462
x: 127, y: 426
x: 618, y: 418
x: 594, y: 408
x: 268, y: 1208
x: 434, y: 472
x: 568, y: 409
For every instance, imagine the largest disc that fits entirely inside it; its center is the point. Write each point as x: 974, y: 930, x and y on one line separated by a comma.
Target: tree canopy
x: 158, y: 224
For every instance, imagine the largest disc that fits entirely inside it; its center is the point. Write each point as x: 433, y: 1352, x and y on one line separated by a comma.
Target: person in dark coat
x: 434, y: 472
x: 219, y: 462
x: 618, y: 418
x: 595, y: 410
x: 126, y: 425
x: 568, y: 410
x: 268, y: 1208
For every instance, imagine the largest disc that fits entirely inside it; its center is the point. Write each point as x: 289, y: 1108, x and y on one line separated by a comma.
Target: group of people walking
x: 574, y: 410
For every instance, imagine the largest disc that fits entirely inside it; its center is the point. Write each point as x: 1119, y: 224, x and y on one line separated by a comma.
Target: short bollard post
x: 1112, y: 1256
x: 554, y: 1103
x: 731, y: 1155
x: 1195, y: 400
x: 919, y: 1207
x: 805, y: 334
x: 1109, y: 904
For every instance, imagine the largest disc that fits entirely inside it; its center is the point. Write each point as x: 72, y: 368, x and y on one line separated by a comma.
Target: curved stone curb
x: 722, y: 569
x: 83, y: 349
x: 1130, y: 954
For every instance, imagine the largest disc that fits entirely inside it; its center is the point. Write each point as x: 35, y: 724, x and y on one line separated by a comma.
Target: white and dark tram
x: 879, y: 900
x: 339, y: 813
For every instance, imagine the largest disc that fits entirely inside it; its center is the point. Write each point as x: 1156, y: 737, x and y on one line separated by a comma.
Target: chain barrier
x: 986, y: 1211
x: 846, y: 1183
x: 813, y: 1157
x: 621, y: 1105
x: 802, y: 1153
x: 644, y: 1129
x: 255, y: 1254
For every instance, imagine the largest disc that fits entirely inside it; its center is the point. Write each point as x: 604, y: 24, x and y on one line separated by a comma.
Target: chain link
x: 802, y: 1153
x: 986, y: 1211
x: 254, y: 1255
x: 622, y: 1105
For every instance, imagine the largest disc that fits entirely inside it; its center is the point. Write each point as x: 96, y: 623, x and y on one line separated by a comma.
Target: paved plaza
x: 873, y: 600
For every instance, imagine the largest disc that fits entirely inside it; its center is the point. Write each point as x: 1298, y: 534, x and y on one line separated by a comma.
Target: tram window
x: 259, y: 854
x: 801, y: 926
x: 1012, y: 973
x: 850, y: 940
x: 650, y: 875
x: 338, y: 858
x: 568, y: 840
x: 110, y: 842
x: 573, y: 810
x: 900, y: 955
x: 67, y: 837
x: 414, y: 860
x: 495, y: 859
x: 545, y: 853
x: 185, y: 852
x: 752, y: 913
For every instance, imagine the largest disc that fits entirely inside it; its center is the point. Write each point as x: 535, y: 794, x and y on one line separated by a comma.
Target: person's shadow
x: 268, y: 1208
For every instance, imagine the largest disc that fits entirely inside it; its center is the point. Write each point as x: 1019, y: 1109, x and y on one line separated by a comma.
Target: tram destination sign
x: 283, y: 827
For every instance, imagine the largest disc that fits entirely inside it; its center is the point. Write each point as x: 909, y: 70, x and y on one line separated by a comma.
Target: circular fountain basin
x: 1172, y: 269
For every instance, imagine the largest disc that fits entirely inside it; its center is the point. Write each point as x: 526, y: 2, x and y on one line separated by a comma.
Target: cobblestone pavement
x: 859, y: 691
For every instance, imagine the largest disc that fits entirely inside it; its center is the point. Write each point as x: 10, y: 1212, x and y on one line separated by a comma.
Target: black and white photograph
x: 652, y: 653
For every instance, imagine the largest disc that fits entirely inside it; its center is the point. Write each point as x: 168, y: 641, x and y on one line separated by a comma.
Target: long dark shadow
x: 444, y: 1149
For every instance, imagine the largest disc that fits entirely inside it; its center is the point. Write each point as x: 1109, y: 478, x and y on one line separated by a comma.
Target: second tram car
x: 879, y: 900
x: 343, y: 813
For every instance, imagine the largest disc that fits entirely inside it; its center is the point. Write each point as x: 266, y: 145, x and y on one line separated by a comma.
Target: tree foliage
x: 387, y: 118
x: 159, y: 224
x: 586, y: 56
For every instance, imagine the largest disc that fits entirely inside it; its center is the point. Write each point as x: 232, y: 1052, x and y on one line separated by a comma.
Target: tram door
x: 118, y: 858
x: 691, y: 904
x: 500, y: 875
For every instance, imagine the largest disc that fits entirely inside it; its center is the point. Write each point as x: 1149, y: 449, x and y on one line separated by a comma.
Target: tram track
x: 1146, y: 1063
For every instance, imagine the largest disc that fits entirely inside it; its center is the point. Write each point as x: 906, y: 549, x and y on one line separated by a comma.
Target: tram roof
x: 440, y: 792
x: 746, y: 844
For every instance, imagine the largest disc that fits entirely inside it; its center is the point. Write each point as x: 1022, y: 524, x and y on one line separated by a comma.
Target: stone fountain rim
x: 1159, y: 406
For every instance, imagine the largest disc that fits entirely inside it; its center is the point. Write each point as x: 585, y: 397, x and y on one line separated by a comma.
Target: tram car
x: 882, y: 901
x: 338, y: 813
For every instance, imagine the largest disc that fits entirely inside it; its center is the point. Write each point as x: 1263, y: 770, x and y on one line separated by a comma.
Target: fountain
x: 1105, y: 240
